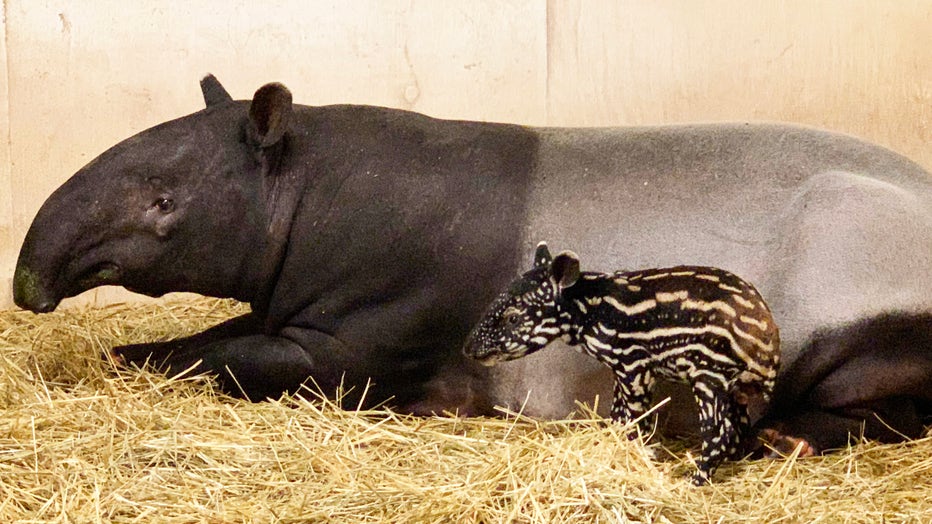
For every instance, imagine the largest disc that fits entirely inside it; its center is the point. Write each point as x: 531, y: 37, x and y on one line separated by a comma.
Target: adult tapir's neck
x: 284, y: 179
x: 401, y: 209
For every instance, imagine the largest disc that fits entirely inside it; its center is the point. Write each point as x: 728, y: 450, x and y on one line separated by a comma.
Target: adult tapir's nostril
x: 46, y: 306
x: 28, y: 293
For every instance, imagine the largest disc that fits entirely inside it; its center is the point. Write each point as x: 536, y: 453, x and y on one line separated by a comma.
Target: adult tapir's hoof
x: 116, y: 358
x: 141, y: 355
x: 170, y: 354
x: 774, y: 444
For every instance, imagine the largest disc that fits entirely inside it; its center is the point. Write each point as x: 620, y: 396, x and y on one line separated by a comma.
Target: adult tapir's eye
x: 165, y: 205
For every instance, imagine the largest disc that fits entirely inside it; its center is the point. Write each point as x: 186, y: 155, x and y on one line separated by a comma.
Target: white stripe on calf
x: 545, y: 330
x: 636, y: 309
x: 598, y: 344
x: 709, y: 306
x: 671, y: 297
x: 759, y: 324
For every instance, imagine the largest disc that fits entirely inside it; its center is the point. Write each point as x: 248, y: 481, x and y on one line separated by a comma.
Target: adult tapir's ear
x: 565, y: 270
x: 542, y: 256
x: 269, y: 114
x: 213, y: 91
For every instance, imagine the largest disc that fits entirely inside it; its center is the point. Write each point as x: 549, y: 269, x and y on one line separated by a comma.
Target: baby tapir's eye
x: 512, y: 316
x: 164, y: 205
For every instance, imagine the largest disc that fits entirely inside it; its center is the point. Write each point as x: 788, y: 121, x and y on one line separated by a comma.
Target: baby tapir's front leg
x: 632, y: 399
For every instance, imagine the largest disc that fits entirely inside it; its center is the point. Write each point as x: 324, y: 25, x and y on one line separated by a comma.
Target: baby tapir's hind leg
x: 742, y: 421
x: 718, y: 429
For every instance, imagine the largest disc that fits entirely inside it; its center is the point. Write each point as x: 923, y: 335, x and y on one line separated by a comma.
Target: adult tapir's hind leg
x: 850, y: 285
x: 889, y: 420
x: 871, y: 378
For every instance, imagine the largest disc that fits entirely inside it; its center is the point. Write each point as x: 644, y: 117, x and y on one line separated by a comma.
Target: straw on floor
x: 82, y: 441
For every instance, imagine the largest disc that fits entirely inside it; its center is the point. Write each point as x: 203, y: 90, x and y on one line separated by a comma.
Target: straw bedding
x: 81, y: 441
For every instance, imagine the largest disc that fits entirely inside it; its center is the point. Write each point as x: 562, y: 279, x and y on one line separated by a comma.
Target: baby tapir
x: 699, y: 325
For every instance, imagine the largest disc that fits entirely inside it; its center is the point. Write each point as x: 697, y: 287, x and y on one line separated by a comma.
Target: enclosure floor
x: 81, y: 441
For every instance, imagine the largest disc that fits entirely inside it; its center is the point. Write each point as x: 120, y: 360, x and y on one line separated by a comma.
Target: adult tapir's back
x: 368, y: 241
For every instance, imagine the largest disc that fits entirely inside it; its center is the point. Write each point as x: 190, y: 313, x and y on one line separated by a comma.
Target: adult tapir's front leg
x: 252, y: 365
x: 160, y: 354
x: 262, y: 366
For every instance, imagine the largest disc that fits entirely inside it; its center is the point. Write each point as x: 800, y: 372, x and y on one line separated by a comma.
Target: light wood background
x: 78, y: 76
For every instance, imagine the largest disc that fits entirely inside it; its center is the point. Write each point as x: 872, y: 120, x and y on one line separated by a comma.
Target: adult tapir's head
x: 179, y: 207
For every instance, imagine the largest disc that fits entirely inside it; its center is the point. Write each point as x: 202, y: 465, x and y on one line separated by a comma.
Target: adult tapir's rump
x: 368, y: 240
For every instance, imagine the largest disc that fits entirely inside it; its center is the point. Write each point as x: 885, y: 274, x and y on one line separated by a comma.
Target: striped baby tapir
x: 699, y: 325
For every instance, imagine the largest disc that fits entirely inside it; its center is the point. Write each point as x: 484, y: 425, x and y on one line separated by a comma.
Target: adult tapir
x: 369, y: 240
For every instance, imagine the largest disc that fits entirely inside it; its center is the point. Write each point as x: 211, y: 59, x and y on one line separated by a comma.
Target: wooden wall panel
x: 862, y: 67
x: 8, y: 246
x: 84, y: 74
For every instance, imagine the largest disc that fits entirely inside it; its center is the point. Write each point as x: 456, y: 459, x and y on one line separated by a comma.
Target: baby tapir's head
x: 525, y: 318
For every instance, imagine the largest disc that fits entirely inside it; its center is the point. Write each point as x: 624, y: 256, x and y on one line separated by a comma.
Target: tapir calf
x: 369, y: 240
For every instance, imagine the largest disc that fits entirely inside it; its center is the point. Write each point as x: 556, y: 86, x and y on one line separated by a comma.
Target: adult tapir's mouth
x: 100, y: 274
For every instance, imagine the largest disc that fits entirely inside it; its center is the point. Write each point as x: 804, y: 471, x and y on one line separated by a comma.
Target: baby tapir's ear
x: 542, y: 256
x: 565, y: 270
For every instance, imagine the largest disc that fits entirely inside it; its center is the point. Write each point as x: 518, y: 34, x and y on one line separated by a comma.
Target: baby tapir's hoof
x: 700, y: 479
